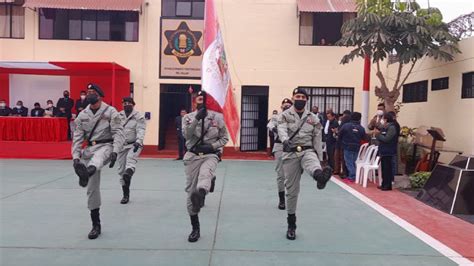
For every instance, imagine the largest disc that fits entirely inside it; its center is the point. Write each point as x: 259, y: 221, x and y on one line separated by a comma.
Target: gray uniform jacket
x: 109, y: 127
x: 214, y: 126
x: 310, y: 133
x: 134, y: 130
x: 271, y: 124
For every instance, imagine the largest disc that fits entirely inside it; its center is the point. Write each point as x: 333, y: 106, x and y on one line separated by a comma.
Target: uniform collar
x: 294, y: 113
x: 103, y: 105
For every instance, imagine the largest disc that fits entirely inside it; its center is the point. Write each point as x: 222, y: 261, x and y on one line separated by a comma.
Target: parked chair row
x: 368, y: 165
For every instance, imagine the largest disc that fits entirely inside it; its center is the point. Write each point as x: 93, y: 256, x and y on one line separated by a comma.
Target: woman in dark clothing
x: 388, y: 138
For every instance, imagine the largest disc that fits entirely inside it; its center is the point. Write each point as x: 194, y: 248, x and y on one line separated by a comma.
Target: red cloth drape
x: 33, y: 129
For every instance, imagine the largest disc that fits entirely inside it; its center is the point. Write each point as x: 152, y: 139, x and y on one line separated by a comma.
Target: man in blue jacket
x: 351, y: 136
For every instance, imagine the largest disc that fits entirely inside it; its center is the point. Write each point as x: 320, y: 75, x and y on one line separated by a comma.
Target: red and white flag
x: 215, y: 73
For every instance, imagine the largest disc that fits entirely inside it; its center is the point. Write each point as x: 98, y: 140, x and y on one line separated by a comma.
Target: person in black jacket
x: 388, y: 142
x: 340, y: 165
x: 65, y: 102
x: 4, y: 109
x: 37, y: 111
x: 81, y: 103
x: 351, y: 136
x: 50, y: 110
x: 19, y: 110
x: 330, y: 131
x: 395, y: 158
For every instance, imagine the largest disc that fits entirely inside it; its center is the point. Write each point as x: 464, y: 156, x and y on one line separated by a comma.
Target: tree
x: 402, y: 29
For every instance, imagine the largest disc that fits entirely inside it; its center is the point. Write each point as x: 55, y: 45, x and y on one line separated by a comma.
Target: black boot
x: 291, y: 233
x: 127, y: 176
x: 81, y: 171
x: 322, y: 176
x: 95, y: 232
x: 203, y: 202
x: 196, y: 199
x: 281, y: 203
x: 195, y: 234
x: 213, y: 184
x: 126, y: 194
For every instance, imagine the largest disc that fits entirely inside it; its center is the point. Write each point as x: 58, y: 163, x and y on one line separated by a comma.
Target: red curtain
x: 33, y: 129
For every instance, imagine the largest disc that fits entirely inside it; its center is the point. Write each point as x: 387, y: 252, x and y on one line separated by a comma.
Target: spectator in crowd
x: 330, y: 131
x: 340, y: 165
x: 4, y: 109
x: 66, y: 102
x: 62, y: 113
x: 19, y: 110
x: 322, y: 42
x: 375, y: 122
x: 395, y: 158
x: 315, y: 110
x: 388, y: 141
x: 179, y: 129
x: 351, y: 136
x: 37, y: 111
x: 271, y: 135
x: 81, y: 103
x: 50, y: 110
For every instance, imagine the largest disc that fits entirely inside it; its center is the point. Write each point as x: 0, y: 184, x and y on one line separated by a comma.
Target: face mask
x: 339, y: 122
x: 92, y: 98
x: 37, y: 107
x: 300, y: 104
x: 128, y: 108
x: 199, y: 106
x: 18, y: 106
x: 50, y: 105
x: 83, y: 97
x: 382, y: 122
x: 66, y: 95
x: 379, y: 112
x: 3, y: 105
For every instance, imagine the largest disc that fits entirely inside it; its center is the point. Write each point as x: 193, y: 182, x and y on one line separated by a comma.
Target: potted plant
x: 418, y: 179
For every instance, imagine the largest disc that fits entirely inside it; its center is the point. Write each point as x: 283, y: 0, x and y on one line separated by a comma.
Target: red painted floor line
x: 449, y: 230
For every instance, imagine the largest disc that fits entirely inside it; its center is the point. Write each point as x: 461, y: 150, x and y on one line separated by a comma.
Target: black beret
x: 300, y: 91
x: 286, y: 100
x: 128, y: 100
x: 202, y: 93
x: 96, y: 88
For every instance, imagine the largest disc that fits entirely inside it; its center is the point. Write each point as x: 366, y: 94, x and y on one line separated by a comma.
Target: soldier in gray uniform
x: 134, y: 126
x: 206, y: 135
x: 98, y: 138
x: 301, y: 135
x: 278, y: 152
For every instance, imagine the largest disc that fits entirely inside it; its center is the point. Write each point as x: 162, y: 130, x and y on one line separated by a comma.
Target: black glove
x: 113, y: 158
x: 136, y: 146
x: 201, y: 114
x: 204, y: 148
x: 75, y: 162
x: 286, y: 146
x: 275, y: 130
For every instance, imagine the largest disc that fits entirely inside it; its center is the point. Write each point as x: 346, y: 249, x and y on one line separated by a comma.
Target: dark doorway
x: 253, y: 133
x: 173, y: 98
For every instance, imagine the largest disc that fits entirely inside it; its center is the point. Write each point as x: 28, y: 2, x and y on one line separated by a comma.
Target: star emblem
x: 183, y: 43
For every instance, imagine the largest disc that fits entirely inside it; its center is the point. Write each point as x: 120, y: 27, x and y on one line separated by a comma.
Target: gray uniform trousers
x: 127, y: 159
x: 293, y: 165
x: 278, y: 152
x: 98, y: 156
x: 199, y: 170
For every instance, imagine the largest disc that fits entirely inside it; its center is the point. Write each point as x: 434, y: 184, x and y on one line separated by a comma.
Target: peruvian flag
x: 215, y: 73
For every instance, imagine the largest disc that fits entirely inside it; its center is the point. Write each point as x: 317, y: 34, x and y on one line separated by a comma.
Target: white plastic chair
x: 368, y: 170
x: 362, y: 158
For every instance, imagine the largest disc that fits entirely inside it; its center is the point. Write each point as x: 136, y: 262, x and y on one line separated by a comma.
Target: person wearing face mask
x: 98, y: 138
x: 37, y: 111
x: 278, y: 151
x: 375, y: 122
x: 206, y: 135
x: 4, y: 109
x: 81, y: 103
x: 19, y: 110
x: 301, y: 134
x: 50, y: 110
x: 66, y: 104
x: 388, y: 143
x: 134, y: 126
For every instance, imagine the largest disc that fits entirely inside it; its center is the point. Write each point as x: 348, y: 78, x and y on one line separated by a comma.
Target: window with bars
x: 440, y: 84
x: 467, y: 85
x: 12, y: 20
x: 415, y: 92
x: 182, y: 8
x: 63, y: 24
x: 338, y: 99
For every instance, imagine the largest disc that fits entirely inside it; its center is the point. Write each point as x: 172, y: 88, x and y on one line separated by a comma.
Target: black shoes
x: 125, y: 200
x: 81, y: 171
x: 127, y: 176
x: 195, y: 233
x: 384, y: 188
x: 95, y: 232
x: 291, y: 233
x: 281, y: 203
x: 197, y: 198
x: 126, y: 194
x: 322, y: 176
x: 213, y: 184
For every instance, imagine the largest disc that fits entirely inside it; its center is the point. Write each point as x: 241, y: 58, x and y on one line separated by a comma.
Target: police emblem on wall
x: 183, y: 43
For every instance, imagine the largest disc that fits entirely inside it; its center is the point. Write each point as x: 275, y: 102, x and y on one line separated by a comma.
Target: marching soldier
x: 98, y: 138
x: 278, y: 152
x: 134, y: 126
x: 206, y: 135
x: 301, y: 135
